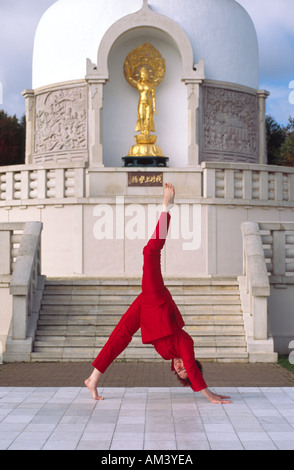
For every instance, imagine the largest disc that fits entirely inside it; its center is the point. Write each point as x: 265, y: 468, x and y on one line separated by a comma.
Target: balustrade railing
x: 10, y: 238
x: 237, y: 183
x: 245, y: 182
x: 18, y: 183
x: 278, y: 246
x: 268, y: 258
x: 20, y: 268
x: 256, y: 279
x: 24, y: 279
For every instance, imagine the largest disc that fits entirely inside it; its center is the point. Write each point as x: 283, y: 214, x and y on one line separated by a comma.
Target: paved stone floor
x: 45, y: 406
x: 145, y: 418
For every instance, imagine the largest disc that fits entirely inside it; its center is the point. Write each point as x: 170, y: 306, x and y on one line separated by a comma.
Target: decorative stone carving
x: 61, y: 121
x: 230, y: 125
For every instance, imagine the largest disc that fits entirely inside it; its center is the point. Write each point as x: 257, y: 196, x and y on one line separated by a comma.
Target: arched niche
x: 113, y: 102
x: 120, y: 102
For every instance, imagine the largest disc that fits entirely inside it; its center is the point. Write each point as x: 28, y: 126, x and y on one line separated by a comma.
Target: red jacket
x: 181, y: 345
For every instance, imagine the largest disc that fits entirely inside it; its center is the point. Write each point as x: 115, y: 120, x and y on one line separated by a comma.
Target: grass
x: 284, y: 362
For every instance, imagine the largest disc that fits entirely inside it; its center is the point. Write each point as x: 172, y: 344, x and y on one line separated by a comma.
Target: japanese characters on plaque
x: 140, y: 178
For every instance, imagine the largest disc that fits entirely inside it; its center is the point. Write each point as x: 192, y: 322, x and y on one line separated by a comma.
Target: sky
x: 273, y: 20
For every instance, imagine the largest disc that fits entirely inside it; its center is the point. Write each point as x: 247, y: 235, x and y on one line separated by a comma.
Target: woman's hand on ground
x: 215, y: 398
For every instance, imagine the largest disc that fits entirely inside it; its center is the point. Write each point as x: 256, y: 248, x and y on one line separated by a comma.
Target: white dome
x: 220, y: 31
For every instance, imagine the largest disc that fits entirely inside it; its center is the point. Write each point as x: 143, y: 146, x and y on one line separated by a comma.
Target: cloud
x: 291, y: 96
x: 280, y: 103
x: 273, y: 22
x: 273, y: 19
x: 269, y: 15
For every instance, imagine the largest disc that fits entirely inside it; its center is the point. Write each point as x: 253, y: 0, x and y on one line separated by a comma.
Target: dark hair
x: 186, y: 382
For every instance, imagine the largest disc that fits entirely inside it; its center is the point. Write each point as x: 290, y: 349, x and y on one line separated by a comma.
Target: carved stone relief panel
x: 230, y: 125
x: 61, y: 123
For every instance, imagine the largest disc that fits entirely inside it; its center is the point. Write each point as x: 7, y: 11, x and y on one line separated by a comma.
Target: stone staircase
x: 77, y: 316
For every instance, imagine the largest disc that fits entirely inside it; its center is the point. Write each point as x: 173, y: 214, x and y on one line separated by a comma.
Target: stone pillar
x: 5, y: 260
x: 95, y: 111
x: 262, y: 148
x: 95, y: 123
x: 193, y: 94
x: 30, y: 114
x: 279, y: 252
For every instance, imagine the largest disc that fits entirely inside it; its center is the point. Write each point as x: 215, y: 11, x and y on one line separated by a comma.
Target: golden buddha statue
x: 144, y: 69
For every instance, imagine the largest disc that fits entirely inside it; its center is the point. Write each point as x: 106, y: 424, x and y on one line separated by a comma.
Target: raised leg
x: 152, y: 281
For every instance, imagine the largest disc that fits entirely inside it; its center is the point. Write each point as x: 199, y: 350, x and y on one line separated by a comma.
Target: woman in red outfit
x: 161, y: 323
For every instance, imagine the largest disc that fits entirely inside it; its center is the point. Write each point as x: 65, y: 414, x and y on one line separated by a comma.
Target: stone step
x: 87, y: 335
x: 147, y: 355
x: 123, y: 281
x: 98, y: 343
x: 100, y: 329
x: 133, y: 286
x: 109, y: 310
x: 188, y: 311
x: 88, y: 331
x: 135, y: 290
x: 101, y: 300
x: 111, y: 321
x: 101, y: 326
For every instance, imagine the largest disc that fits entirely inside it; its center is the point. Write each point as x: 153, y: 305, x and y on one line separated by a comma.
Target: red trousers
x: 155, y: 312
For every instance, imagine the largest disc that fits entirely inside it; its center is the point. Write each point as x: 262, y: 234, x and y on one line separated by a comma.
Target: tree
x: 275, y: 138
x: 287, y: 150
x: 290, y: 125
x: 280, y: 142
x: 12, y: 140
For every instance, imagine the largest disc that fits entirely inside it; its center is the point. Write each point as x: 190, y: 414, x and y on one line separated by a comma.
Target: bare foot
x: 92, y: 386
x: 168, y: 194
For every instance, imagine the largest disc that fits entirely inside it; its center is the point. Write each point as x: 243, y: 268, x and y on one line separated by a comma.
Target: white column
x: 208, y: 182
x: 279, y: 252
x: 42, y: 184
x: 95, y: 121
x: 30, y: 106
x: 259, y: 313
x: 19, y: 317
x: 262, y: 150
x: 193, y: 93
x: 59, y: 183
x: 5, y: 259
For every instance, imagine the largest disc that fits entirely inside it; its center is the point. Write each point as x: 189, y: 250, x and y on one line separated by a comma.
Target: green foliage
x: 280, y: 142
x: 12, y: 140
x: 284, y: 362
x: 287, y: 150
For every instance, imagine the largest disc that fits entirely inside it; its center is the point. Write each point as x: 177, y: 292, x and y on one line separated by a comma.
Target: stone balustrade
x: 229, y: 183
x: 278, y: 246
x: 257, y: 282
x: 254, y: 292
x: 247, y: 183
x: 19, y: 183
x: 23, y: 266
x: 10, y: 236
